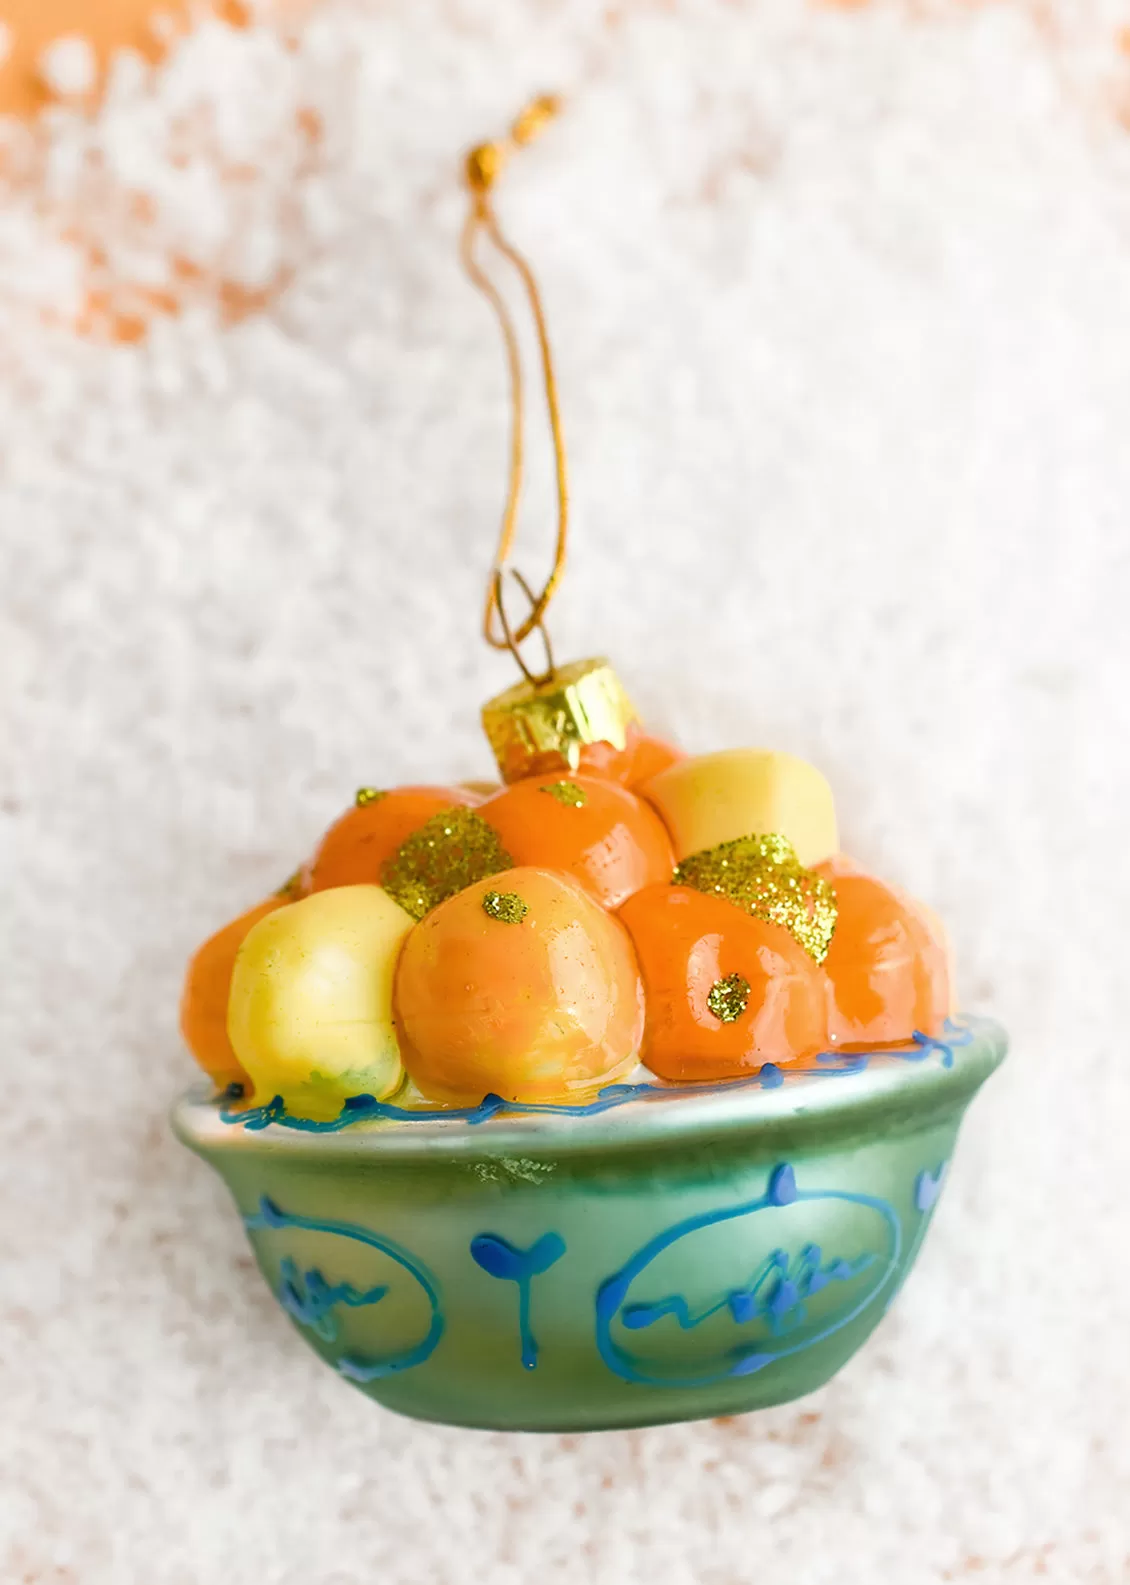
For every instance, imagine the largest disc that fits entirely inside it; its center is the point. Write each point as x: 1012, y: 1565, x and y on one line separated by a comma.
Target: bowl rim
x: 844, y: 1091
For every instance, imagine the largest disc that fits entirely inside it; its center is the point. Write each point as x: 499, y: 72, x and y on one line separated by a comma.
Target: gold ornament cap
x: 534, y: 723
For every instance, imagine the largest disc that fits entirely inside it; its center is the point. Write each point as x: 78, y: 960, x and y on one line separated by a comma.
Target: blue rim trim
x: 829, y: 1065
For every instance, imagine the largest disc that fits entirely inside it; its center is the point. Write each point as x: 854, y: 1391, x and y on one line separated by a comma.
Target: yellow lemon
x: 310, y: 1015
x: 716, y: 798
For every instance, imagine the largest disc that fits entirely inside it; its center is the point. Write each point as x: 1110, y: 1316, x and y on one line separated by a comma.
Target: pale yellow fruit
x: 310, y: 1013
x: 743, y: 792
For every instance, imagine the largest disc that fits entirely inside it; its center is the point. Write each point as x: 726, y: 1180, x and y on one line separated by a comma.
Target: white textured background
x: 842, y: 303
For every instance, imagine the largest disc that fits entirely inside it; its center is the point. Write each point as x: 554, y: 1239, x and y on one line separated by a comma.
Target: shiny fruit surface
x: 641, y: 758
x: 356, y: 846
x: 523, y: 986
x: 590, y: 828
x: 887, y: 968
x: 204, y: 1001
x: 725, y: 992
x: 310, y: 1015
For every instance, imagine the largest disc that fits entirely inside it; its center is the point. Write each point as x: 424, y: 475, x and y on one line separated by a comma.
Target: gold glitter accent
x: 582, y: 703
x: 567, y: 793
x: 763, y: 876
x: 728, y: 998
x: 369, y: 795
x: 447, y: 853
x: 507, y: 907
x: 297, y: 887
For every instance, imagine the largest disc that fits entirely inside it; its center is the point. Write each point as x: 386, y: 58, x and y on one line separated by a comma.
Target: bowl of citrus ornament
x: 611, y: 1095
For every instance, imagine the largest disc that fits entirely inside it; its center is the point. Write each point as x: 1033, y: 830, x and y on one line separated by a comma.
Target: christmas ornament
x: 609, y: 1094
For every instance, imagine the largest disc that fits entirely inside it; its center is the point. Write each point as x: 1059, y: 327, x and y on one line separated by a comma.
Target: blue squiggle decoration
x: 921, y: 1047
x: 745, y: 1304
x: 928, y: 1186
x: 927, y: 1189
x: 311, y: 1300
x: 366, y: 1108
x: 775, y: 1295
x: 269, y: 1215
x: 499, y: 1258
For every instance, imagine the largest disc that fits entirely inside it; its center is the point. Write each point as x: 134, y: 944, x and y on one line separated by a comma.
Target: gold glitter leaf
x: 763, y: 876
x: 445, y: 855
x: 507, y: 907
x: 567, y: 793
x: 729, y: 998
x: 369, y: 795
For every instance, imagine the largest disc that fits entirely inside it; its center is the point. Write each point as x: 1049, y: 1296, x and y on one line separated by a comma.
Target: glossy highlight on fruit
x: 311, y: 1011
x: 725, y: 993
x: 356, y: 847
x: 887, y: 968
x: 539, y: 1005
x: 585, y: 826
x: 207, y: 986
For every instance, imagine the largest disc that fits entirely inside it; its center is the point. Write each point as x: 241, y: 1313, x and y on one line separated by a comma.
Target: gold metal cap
x: 581, y: 703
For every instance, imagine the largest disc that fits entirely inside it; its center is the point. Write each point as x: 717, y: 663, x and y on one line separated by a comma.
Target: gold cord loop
x: 483, y: 167
x: 511, y: 640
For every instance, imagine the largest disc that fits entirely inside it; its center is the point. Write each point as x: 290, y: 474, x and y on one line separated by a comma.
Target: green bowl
x: 660, y: 1254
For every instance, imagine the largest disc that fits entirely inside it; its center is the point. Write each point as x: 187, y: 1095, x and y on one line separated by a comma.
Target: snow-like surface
x: 68, y: 67
x: 842, y: 304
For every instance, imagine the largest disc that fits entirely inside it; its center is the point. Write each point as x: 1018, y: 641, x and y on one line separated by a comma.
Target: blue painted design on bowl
x: 498, y: 1257
x: 270, y: 1217
x: 666, y: 1254
x: 774, y: 1300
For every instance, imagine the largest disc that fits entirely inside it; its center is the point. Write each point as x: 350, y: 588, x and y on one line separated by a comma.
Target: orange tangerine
x: 650, y: 755
x: 520, y: 986
x: 204, y: 1001
x: 641, y: 758
x: 592, y: 829
x: 726, y: 993
x: 356, y: 846
x: 887, y: 968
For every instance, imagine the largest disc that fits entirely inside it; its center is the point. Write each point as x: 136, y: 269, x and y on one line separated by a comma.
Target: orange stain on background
x: 116, y: 309
x: 106, y: 25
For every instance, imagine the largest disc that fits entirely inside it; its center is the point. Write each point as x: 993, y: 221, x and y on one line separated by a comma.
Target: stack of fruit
x: 611, y: 902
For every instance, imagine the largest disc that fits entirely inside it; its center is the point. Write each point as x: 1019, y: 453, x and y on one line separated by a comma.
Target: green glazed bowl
x: 660, y: 1254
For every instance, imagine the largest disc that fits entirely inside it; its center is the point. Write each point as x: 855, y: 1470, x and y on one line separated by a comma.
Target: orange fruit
x: 887, y: 968
x: 520, y: 986
x: 204, y: 1001
x: 650, y: 755
x: 356, y: 846
x: 592, y: 829
x: 725, y: 992
x: 641, y: 758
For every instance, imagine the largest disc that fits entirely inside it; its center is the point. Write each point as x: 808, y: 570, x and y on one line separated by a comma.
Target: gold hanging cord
x: 483, y: 167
